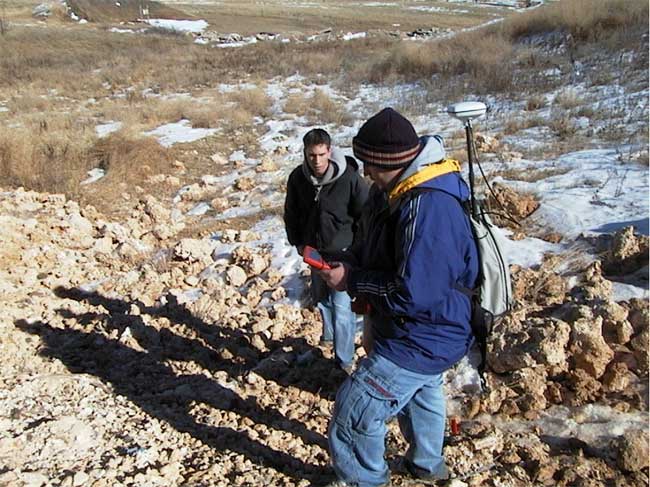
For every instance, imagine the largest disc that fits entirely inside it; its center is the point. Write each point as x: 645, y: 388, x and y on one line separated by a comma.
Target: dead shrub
x: 134, y: 96
x: 204, y: 117
x: 130, y: 159
x: 568, y: 99
x: 329, y: 110
x: 238, y: 118
x: 603, y: 77
x: 167, y: 111
x: 612, y: 131
x: 535, y: 102
x: 514, y: 125
x: 149, y: 112
x: 253, y: 100
x: 318, y: 108
x: 298, y: 104
x: 562, y: 125
x: 45, y: 161
x: 585, y: 111
x: 529, y: 175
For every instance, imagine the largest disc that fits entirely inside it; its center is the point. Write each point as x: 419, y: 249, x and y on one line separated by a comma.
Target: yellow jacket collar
x: 428, y: 172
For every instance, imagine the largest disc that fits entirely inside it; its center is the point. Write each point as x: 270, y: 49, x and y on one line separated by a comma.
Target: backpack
x: 492, y: 295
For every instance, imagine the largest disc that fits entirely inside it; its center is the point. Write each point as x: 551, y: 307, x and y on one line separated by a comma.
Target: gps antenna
x: 466, y: 112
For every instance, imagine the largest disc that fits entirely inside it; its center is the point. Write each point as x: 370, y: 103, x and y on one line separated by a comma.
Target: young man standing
x: 415, y: 263
x: 325, y: 195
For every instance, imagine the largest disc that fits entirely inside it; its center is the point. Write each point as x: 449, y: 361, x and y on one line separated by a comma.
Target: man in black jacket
x: 325, y: 195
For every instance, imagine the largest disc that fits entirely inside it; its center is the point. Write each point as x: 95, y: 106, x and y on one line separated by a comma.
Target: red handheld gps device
x: 311, y: 256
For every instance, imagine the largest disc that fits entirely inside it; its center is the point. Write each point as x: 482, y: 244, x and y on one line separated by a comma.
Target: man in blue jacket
x: 417, y: 256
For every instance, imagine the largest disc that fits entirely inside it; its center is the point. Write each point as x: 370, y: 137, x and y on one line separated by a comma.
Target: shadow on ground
x: 142, y: 374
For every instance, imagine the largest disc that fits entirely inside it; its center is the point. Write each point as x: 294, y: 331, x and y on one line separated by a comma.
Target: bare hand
x: 337, y: 276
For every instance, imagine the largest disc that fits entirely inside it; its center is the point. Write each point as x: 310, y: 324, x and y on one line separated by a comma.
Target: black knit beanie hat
x: 386, y: 140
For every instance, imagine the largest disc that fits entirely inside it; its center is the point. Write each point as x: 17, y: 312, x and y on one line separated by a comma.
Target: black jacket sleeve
x: 358, y: 198
x: 292, y: 223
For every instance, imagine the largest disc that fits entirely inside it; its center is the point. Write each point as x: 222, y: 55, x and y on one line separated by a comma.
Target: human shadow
x: 165, y: 344
x: 159, y: 391
x: 320, y: 377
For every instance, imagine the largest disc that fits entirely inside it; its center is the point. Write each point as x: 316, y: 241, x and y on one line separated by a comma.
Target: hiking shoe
x: 422, y: 475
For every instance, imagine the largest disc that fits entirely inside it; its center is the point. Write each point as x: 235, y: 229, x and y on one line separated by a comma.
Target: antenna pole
x: 470, y: 135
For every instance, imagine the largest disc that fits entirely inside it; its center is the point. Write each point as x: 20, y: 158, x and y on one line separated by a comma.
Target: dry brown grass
x: 79, y: 63
x: 585, y: 20
x: 317, y: 108
x: 151, y: 112
x: 535, y: 102
x: 251, y: 16
x: 205, y: 117
x: 54, y: 154
x: 129, y: 158
x: 50, y: 150
x: 514, y: 125
x: 43, y: 159
x: 487, y: 56
x: 145, y: 113
x: 128, y: 10
x: 529, y: 175
x: 65, y: 59
x: 29, y: 103
x: 253, y: 100
x: 562, y: 125
x: 568, y: 99
x: 483, y: 58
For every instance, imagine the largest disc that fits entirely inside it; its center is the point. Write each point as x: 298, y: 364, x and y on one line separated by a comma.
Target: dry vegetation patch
x: 585, y: 20
x: 530, y: 175
x: 568, y: 99
x: 255, y: 101
x: 318, y: 107
x: 136, y: 79
x: 514, y: 125
x: 487, y: 57
x: 473, y: 53
x: 129, y: 158
x: 45, y: 157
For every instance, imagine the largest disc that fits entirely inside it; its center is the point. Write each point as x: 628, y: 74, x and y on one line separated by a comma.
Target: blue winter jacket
x: 415, y: 253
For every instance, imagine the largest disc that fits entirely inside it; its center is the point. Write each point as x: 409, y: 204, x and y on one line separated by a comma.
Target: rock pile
x: 133, y: 357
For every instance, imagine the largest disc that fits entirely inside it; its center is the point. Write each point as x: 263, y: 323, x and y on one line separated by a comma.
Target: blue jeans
x: 377, y: 391
x: 339, y: 322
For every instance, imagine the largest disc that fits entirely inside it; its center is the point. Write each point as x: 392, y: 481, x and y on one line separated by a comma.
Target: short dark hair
x: 317, y: 137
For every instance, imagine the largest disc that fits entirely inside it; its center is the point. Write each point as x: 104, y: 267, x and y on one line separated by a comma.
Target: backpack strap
x: 481, y: 320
